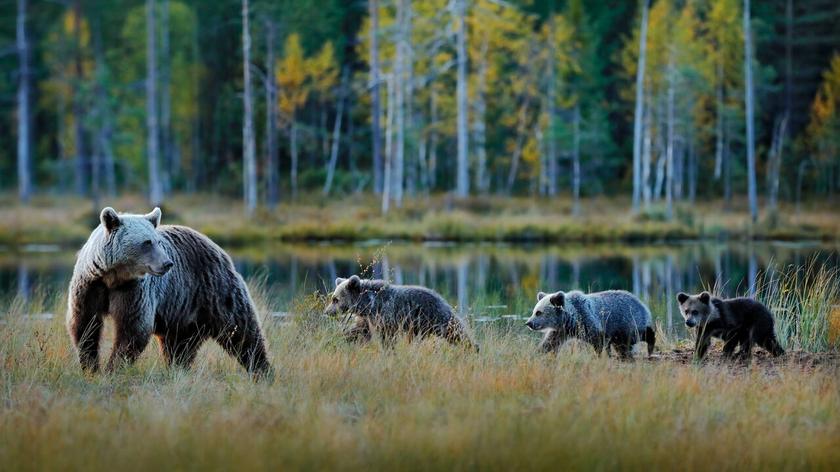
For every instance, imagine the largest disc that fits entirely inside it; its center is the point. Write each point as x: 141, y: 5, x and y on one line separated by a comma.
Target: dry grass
x: 422, y: 406
x: 357, y: 217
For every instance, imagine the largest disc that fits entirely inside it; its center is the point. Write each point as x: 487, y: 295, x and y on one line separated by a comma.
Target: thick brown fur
x: 739, y: 322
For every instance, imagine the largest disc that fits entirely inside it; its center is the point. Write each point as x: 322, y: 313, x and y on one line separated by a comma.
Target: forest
x: 666, y: 101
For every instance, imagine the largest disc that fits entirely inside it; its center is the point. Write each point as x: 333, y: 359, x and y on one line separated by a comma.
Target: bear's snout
x: 690, y: 322
x: 530, y: 324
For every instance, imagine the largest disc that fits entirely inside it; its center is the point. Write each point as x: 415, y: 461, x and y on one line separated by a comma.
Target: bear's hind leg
x: 745, y: 352
x: 245, y: 342
x: 179, y: 346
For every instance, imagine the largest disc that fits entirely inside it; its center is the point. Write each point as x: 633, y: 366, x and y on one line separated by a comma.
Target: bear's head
x: 349, y: 296
x: 697, y: 310
x: 132, y: 246
x: 549, y: 313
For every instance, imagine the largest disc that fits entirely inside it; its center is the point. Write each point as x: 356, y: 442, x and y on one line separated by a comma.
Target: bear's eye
x: 694, y: 312
x: 335, y: 300
x: 539, y: 313
x: 147, y: 243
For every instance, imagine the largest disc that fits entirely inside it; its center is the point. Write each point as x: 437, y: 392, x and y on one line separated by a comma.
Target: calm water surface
x: 484, y: 281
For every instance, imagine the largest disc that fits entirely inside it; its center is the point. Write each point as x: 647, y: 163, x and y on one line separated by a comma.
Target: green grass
x: 421, y: 406
x: 68, y: 221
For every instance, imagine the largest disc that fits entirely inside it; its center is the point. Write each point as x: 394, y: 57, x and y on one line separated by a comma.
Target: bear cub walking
x: 613, y: 318
x: 167, y: 281
x: 387, y: 309
x: 736, y: 321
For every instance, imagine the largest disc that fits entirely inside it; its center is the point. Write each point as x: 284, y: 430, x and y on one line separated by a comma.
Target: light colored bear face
x: 133, y: 248
x: 697, y: 310
x: 346, y: 296
x: 548, y: 313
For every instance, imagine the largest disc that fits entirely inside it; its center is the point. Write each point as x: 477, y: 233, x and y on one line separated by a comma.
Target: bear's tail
x: 650, y: 338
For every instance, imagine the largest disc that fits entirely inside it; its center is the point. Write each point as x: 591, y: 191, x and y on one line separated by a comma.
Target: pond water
x: 483, y: 281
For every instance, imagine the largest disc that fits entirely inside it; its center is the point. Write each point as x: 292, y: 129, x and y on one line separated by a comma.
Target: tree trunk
x: 669, y: 161
x: 463, y: 181
x: 397, y: 164
x: 646, y: 159
x: 373, y: 6
x: 751, y: 180
x: 775, y: 164
x: 293, y: 145
x: 249, y: 171
x: 411, y: 158
x: 155, y: 191
x: 517, y: 151
x: 270, y: 117
x: 24, y: 135
x: 78, y: 107
x: 638, y: 116
x: 389, y: 150
x: 576, y: 162
x: 433, y: 138
x: 552, y: 170
x: 692, y: 170
x: 167, y: 173
x: 719, y: 123
x: 479, y: 125
x: 336, y: 135
x: 104, y: 133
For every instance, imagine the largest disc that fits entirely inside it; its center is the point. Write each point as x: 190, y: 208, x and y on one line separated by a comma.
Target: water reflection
x: 482, y: 280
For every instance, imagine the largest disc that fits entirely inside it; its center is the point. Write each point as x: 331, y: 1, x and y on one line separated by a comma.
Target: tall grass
x: 418, y: 406
x: 804, y: 300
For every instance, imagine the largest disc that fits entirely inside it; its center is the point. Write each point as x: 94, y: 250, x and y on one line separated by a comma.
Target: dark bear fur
x: 168, y: 281
x: 737, y: 322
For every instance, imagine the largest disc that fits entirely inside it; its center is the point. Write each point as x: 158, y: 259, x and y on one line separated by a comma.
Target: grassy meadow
x: 426, y: 405
x: 68, y: 221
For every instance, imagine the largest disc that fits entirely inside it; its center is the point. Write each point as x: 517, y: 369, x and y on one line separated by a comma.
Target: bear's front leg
x: 552, y: 341
x: 701, y: 346
x: 86, y: 305
x: 133, y: 324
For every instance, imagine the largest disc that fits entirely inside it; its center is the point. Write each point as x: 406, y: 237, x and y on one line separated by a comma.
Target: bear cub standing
x: 388, y: 309
x: 737, y: 321
x: 613, y: 318
x: 170, y: 281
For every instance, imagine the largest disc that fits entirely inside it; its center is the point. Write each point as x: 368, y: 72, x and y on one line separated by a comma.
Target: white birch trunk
x: 271, y: 117
x: 389, y: 121
x: 751, y: 179
x: 249, y: 171
x: 155, y: 189
x: 23, y: 119
x: 336, y: 135
x: 638, y: 116
x: 576, y: 162
x: 669, y: 162
x: 373, y: 6
x: 462, y: 179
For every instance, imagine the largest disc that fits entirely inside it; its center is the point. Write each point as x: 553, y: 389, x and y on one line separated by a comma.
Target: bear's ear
x: 558, y: 299
x: 339, y: 281
x: 705, y: 297
x: 154, y: 217
x: 354, y: 282
x: 541, y: 295
x: 109, y: 218
x: 682, y: 297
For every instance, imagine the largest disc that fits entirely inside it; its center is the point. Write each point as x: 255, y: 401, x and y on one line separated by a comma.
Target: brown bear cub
x: 377, y: 306
x: 737, y: 321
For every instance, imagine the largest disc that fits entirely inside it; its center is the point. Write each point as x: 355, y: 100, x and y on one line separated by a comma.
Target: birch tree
x: 462, y: 170
x: 373, y: 11
x: 23, y: 120
x: 272, y: 194
x: 249, y: 170
x: 748, y: 79
x: 155, y: 190
x: 639, y: 112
